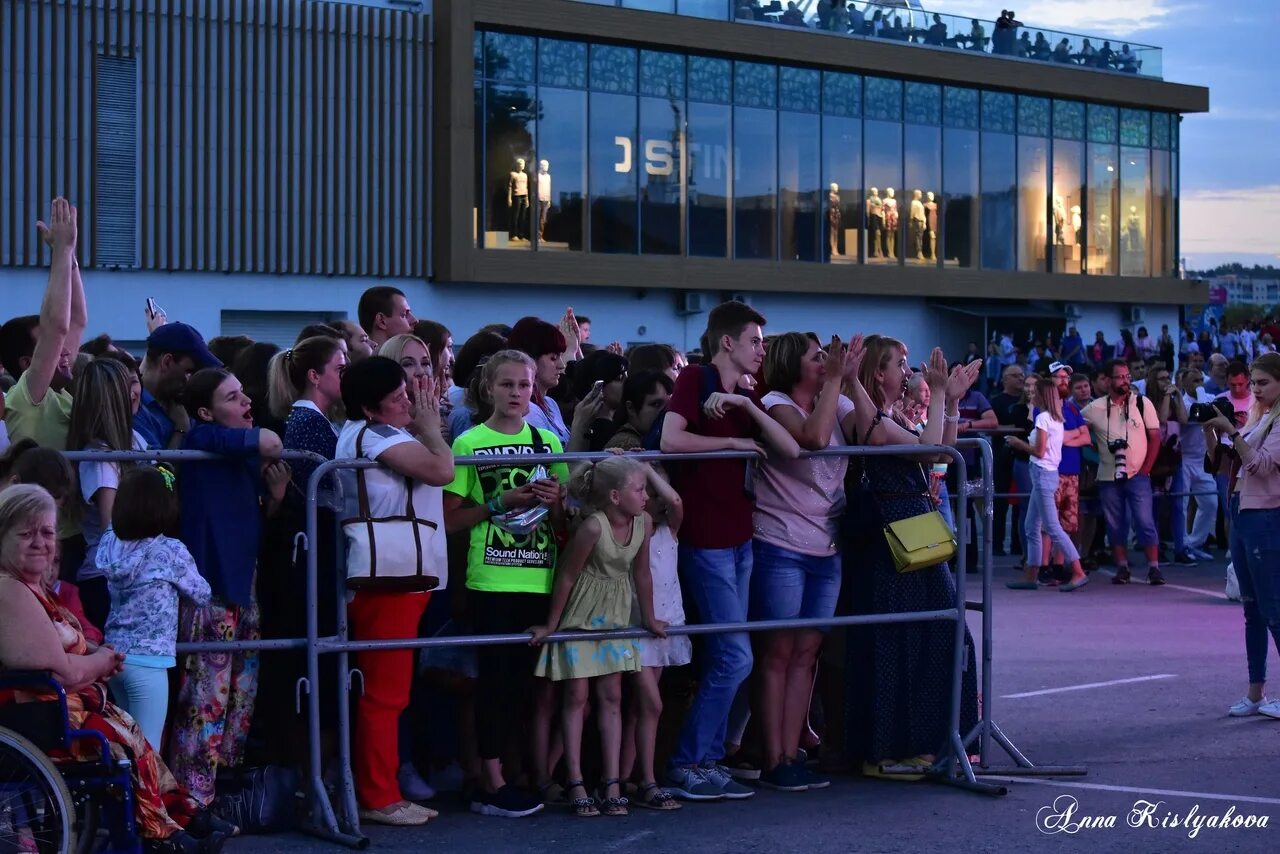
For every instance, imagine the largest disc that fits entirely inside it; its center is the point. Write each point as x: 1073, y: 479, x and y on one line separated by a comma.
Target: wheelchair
x: 50, y: 801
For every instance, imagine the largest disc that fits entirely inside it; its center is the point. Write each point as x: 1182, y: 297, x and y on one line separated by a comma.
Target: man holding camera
x: 1126, y: 434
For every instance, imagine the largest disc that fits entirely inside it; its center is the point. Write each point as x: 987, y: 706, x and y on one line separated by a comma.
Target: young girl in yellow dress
x: 593, y: 592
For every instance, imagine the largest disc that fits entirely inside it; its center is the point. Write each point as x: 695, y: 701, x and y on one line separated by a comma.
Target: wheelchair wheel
x: 36, y: 810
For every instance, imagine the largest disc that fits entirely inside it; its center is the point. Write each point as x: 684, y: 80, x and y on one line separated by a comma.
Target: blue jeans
x: 787, y: 584
x: 1125, y: 501
x: 1042, y: 515
x: 719, y: 581
x: 1255, y: 552
x: 1178, y: 508
x: 143, y: 692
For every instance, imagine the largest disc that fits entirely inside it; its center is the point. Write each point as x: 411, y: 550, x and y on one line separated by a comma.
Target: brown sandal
x: 582, y: 807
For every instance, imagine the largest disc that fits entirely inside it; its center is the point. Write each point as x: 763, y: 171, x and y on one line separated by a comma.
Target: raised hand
x: 854, y: 355
x: 962, y: 379
x: 61, y: 231
x: 935, y: 371
x: 835, y: 361
x: 615, y: 347
x: 572, y: 335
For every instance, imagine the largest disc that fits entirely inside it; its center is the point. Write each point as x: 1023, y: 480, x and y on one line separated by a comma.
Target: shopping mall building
x: 253, y: 166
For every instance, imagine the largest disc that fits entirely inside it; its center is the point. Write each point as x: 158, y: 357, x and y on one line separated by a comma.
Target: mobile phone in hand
x: 152, y: 308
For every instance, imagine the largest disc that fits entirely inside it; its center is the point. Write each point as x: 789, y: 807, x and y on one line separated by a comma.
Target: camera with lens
x: 1202, y: 413
x: 1117, y: 447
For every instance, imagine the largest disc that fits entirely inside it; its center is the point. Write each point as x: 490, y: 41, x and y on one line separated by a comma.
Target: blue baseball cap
x: 181, y: 338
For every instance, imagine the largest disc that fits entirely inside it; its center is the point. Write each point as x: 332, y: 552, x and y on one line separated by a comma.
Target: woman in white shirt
x: 1045, y: 447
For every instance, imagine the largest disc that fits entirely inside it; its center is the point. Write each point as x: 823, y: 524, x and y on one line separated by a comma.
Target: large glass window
x: 708, y: 192
x: 923, y: 185
x: 559, y: 180
x: 509, y: 144
x: 999, y: 181
x: 1135, y: 212
x: 842, y: 165
x: 1135, y: 193
x: 1033, y: 204
x: 718, y: 9
x: 800, y: 198
x: 755, y: 184
x: 661, y: 179
x: 613, y: 167
x: 1162, y: 214
x: 1104, y: 156
x: 883, y: 151
x: 960, y: 190
x: 1068, y: 185
x: 999, y: 184
x: 960, y: 177
x: 1035, y: 216
x: 842, y: 172
x: 755, y: 159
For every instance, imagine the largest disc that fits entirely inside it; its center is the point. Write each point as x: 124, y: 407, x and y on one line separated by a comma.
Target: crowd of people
x: 886, y: 21
x: 106, y: 565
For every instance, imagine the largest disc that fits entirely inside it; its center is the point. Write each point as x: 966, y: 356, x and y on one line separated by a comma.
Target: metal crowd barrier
x: 953, y: 767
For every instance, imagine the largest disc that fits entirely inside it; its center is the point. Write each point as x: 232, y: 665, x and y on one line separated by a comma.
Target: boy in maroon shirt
x: 709, y: 412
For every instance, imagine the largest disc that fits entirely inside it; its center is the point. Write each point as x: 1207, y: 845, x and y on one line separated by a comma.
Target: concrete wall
x: 116, y: 307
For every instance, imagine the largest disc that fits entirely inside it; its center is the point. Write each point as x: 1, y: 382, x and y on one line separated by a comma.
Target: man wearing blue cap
x: 174, y: 352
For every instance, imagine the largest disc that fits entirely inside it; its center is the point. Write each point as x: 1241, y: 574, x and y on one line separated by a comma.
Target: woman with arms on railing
x: 223, y: 503
x: 796, y: 570
x: 900, y: 675
x: 38, y: 634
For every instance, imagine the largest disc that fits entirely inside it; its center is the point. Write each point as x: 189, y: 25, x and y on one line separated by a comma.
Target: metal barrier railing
x: 953, y: 767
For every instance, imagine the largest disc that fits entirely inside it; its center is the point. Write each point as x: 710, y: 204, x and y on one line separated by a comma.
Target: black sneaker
x: 204, y: 823
x: 1122, y: 576
x: 1184, y: 558
x: 1155, y: 577
x: 507, y: 802
x: 181, y: 842
x: 785, y: 777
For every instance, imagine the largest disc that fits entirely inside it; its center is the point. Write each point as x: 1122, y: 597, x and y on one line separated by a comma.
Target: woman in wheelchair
x: 38, y: 634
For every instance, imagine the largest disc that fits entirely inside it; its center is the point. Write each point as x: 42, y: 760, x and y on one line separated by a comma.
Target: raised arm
x: 673, y: 507
x: 813, y: 431
x: 54, y: 329
x: 430, y: 459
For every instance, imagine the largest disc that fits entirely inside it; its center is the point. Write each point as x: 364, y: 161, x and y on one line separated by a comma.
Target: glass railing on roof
x: 906, y: 21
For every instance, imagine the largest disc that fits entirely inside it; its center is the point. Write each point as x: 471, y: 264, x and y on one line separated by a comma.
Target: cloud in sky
x: 1104, y: 17
x: 1231, y: 221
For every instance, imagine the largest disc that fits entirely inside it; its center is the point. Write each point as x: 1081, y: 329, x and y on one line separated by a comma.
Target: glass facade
x: 617, y: 150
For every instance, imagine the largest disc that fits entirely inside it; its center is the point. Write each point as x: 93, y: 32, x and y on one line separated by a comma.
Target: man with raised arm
x: 37, y: 349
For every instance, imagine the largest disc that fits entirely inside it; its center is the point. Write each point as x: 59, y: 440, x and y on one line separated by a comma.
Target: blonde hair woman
x: 1044, y: 446
x: 1255, y: 525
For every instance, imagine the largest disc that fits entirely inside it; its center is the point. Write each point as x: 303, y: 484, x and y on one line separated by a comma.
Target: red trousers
x: 388, y: 675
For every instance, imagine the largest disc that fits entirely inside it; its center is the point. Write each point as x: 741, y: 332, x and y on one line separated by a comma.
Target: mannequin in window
x: 915, y: 226
x: 1101, y: 245
x: 1133, y: 231
x: 875, y: 223
x: 1077, y: 224
x: 544, y: 196
x: 890, y: 224
x: 518, y: 202
x: 833, y: 219
x: 930, y: 227
x: 1059, y: 220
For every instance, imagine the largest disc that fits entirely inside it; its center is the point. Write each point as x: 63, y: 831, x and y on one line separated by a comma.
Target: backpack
x: 709, y: 384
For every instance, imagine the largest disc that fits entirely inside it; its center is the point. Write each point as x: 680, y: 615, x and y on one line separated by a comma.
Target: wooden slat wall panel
x: 274, y: 136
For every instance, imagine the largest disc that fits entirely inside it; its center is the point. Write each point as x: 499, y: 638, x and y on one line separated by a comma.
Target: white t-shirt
x: 95, y: 476
x: 388, y: 495
x: 1052, y: 431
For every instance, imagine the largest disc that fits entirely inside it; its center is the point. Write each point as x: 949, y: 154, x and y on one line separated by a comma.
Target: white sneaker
x: 1270, y: 708
x: 1244, y: 707
x: 412, y: 786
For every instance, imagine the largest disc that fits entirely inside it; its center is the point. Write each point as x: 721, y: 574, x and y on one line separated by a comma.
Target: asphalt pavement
x: 1131, y: 681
